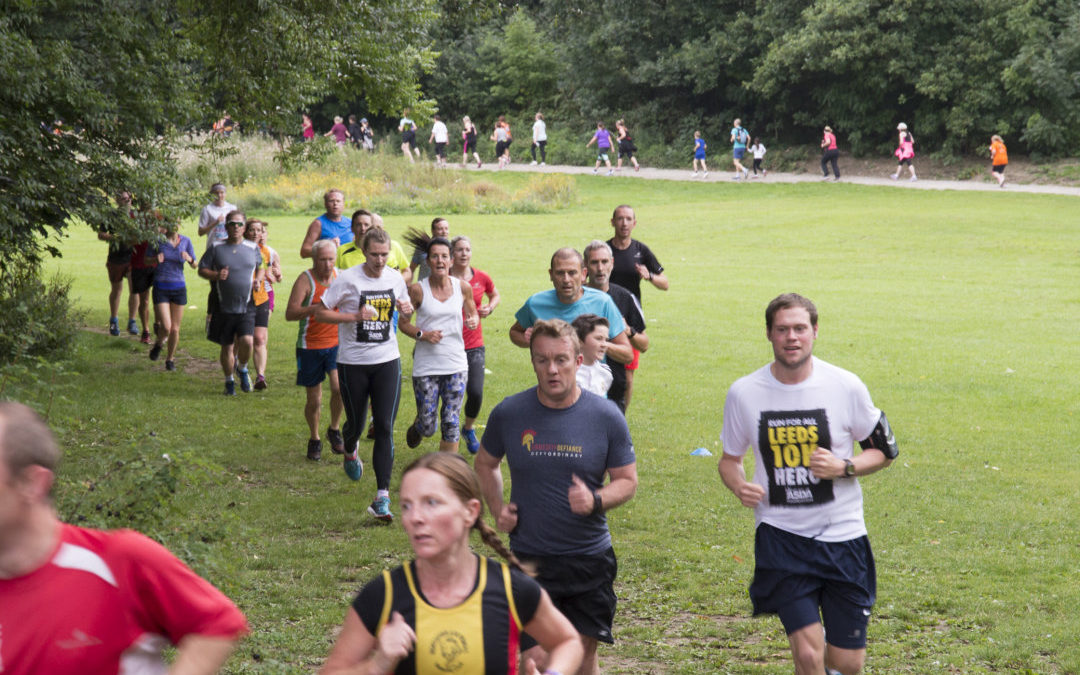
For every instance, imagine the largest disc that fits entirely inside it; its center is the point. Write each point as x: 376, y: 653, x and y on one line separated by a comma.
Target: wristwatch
x: 419, y: 334
x: 849, y: 469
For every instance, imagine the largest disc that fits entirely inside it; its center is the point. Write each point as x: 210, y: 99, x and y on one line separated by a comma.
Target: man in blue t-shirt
x: 739, y: 138
x: 559, y: 441
x: 569, y: 300
x: 330, y: 225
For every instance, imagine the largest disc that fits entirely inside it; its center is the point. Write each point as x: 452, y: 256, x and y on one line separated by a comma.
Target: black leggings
x: 827, y: 157
x: 543, y: 155
x: 757, y: 165
x: 381, y: 382
x: 474, y: 388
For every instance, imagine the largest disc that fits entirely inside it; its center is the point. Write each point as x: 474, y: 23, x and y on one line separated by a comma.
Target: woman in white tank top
x: 440, y: 369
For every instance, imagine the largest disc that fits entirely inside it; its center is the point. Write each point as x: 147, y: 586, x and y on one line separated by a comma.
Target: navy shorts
x: 738, y: 152
x: 142, y: 278
x: 582, y: 588
x: 173, y: 296
x: 806, y: 581
x: 312, y: 365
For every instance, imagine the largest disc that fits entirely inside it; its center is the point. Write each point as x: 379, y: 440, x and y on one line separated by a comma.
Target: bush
x: 37, y: 318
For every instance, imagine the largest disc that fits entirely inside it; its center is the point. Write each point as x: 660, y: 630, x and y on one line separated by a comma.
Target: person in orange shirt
x: 317, y: 347
x: 999, y: 158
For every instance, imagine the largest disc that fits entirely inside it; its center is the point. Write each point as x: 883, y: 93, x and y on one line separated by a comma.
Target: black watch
x: 849, y: 469
x: 419, y: 334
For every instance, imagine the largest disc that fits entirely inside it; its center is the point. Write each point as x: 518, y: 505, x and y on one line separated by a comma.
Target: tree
x: 93, y: 94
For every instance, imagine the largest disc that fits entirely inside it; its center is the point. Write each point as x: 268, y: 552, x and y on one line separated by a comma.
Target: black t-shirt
x: 631, y: 312
x: 624, y: 273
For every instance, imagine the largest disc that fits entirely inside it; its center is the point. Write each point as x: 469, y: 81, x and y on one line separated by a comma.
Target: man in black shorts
x: 802, y: 417
x: 234, y: 266
x: 118, y: 265
x: 559, y: 441
x: 598, y: 262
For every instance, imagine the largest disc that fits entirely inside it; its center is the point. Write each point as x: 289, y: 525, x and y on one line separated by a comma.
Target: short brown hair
x: 25, y: 439
x: 587, y: 323
x: 374, y: 236
x: 563, y: 254
x: 786, y: 301
x: 555, y: 328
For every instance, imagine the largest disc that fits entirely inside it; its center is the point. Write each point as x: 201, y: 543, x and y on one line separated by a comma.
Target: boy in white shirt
x: 593, y: 374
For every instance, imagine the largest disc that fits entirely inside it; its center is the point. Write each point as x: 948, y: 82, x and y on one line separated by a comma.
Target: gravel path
x: 726, y: 177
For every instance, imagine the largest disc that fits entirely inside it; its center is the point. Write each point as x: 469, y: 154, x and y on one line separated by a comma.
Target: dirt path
x: 726, y: 177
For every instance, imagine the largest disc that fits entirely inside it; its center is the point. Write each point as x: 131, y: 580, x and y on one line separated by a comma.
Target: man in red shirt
x: 76, y: 600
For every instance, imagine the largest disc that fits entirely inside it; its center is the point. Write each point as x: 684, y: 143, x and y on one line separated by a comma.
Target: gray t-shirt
x: 544, y: 447
x: 242, y: 260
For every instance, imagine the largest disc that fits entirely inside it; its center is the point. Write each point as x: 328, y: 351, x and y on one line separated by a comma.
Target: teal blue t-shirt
x: 546, y: 305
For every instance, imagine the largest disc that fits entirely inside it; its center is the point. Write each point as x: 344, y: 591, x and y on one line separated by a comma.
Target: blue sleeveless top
x: 342, y: 229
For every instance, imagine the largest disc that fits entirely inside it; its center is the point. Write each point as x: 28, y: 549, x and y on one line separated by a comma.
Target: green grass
x: 957, y: 309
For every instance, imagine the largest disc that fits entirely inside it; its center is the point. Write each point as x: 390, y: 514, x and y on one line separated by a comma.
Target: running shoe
x: 893, y: 176
x: 913, y: 179
x: 245, y: 380
x: 412, y: 436
x: 354, y: 468
x: 532, y: 163
x: 133, y: 328
x: 260, y: 382
x: 114, y: 326
x: 145, y: 339
x: 471, y: 442
x: 155, y: 351
x: 230, y: 388
x: 380, y: 508
x: 314, y: 449
x: 705, y: 175
x: 695, y: 174
x: 594, y: 172
x: 745, y: 172
x: 609, y: 172
x: 337, y: 442
x: 170, y: 365
x: 543, y: 163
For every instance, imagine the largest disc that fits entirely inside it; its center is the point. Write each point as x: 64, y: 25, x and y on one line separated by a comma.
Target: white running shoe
x: 532, y: 163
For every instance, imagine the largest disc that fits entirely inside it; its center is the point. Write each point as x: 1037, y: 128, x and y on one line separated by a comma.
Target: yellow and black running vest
x: 482, y: 635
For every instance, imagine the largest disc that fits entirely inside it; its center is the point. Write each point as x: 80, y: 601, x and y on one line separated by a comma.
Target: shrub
x: 37, y: 318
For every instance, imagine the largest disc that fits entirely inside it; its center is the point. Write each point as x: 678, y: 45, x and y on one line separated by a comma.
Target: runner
x: 317, y: 348
x: 699, y: 155
x: 330, y: 225
x: 307, y: 129
x: 262, y: 297
x: 539, y: 139
x: 351, y: 255
x: 802, y: 417
x: 481, y: 285
x: 142, y: 271
x: 905, y: 152
x: 503, y: 139
x: 440, y: 137
x: 559, y: 442
x: 599, y: 262
x: 118, y: 265
x: 450, y: 610
x: 999, y: 159
x: 367, y: 136
x: 356, y: 132
x: 77, y: 600
x: 407, y: 128
x: 829, y: 154
x: 758, y: 150
x: 233, y: 267
x: 739, y: 138
x: 468, y: 142
x: 602, y: 138
x: 339, y: 131
x: 626, y: 145
x: 440, y: 368
x: 593, y: 375
x: 212, y: 217
x: 364, y: 301
x: 170, y: 291
x: 418, y: 267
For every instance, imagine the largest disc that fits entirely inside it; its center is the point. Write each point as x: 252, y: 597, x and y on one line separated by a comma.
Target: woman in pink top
x: 307, y: 128
x: 905, y: 151
x: 829, y: 153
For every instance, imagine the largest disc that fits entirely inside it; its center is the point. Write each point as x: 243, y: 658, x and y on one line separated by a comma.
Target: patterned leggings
x: 428, y: 390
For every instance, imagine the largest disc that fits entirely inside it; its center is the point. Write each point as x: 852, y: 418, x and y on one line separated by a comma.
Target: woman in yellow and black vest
x: 450, y: 610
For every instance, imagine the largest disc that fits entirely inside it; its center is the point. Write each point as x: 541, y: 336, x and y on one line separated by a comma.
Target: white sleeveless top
x: 448, y: 355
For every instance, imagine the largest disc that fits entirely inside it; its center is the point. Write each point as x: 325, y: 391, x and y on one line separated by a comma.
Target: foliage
x: 37, y: 318
x: 954, y: 71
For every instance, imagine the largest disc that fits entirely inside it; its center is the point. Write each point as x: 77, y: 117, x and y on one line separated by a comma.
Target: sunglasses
x: 239, y: 223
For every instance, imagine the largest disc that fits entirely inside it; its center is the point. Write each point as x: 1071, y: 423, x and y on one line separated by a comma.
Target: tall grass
x: 382, y: 181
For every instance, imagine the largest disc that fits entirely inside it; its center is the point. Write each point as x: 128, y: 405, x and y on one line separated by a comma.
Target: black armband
x: 881, y: 438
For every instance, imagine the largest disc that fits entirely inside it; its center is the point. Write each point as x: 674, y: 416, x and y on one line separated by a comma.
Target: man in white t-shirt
x: 539, y: 139
x: 802, y: 417
x: 440, y: 137
x: 212, y: 218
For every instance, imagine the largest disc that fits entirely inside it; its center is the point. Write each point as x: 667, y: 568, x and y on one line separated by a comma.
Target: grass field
x: 958, y: 310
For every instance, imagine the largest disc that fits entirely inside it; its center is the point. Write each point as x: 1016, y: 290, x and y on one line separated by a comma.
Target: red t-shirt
x: 481, y: 283
x: 107, y: 602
